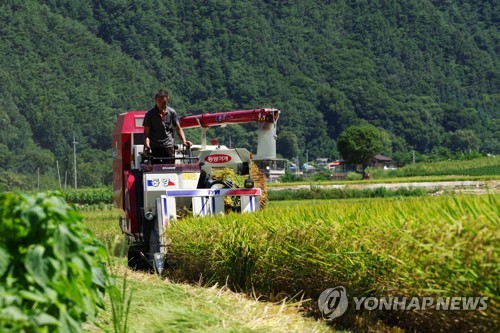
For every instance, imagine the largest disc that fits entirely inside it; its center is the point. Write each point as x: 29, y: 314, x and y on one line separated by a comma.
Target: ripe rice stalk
x: 426, y: 246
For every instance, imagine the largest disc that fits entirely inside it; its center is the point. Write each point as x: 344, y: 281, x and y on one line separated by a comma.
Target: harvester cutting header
x: 148, y: 194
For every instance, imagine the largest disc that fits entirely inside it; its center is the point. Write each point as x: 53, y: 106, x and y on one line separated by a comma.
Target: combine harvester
x: 149, y: 194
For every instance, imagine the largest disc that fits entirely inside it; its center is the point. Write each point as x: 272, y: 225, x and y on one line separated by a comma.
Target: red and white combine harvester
x: 149, y: 194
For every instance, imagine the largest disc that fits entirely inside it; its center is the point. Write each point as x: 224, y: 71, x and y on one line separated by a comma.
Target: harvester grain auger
x: 149, y: 195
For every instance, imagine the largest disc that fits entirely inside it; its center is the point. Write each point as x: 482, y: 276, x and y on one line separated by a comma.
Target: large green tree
x: 358, y: 144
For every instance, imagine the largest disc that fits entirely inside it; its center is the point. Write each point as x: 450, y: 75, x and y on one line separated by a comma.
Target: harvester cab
x: 149, y: 193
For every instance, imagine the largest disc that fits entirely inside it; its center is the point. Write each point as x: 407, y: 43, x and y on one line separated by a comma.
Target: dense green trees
x: 424, y: 71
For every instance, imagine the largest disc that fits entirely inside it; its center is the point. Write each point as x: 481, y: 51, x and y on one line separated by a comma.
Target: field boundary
x: 468, y: 186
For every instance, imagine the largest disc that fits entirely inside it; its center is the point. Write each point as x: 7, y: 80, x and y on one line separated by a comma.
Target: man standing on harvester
x: 159, y: 124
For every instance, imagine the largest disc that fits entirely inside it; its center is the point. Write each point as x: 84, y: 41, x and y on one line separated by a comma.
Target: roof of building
x: 381, y: 157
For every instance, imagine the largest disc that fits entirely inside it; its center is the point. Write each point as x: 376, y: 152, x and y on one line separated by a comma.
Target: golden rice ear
x: 259, y: 179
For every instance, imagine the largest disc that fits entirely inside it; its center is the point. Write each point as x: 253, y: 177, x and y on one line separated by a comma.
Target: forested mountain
x: 426, y: 72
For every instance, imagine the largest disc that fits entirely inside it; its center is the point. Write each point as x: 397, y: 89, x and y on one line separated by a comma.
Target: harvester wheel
x: 136, y: 261
x: 133, y: 259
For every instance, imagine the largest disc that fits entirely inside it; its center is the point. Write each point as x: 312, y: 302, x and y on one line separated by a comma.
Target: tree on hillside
x: 463, y: 141
x: 288, y: 144
x: 359, y: 144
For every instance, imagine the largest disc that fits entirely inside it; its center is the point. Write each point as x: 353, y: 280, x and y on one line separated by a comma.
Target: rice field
x: 439, y: 246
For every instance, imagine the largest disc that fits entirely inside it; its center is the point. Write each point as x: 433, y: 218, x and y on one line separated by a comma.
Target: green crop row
x: 486, y: 166
x: 317, y: 193
x: 427, y: 246
x: 90, y: 196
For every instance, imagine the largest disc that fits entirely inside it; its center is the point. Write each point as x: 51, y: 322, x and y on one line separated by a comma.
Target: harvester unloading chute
x: 266, y: 119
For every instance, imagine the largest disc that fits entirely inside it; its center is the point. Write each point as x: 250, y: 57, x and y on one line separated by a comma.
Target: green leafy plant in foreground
x: 52, y: 272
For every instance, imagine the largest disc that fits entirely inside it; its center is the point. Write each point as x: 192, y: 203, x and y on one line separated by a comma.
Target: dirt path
x: 467, y: 186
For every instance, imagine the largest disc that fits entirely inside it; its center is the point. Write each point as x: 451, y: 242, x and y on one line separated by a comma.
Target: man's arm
x: 147, y: 146
x: 180, y: 132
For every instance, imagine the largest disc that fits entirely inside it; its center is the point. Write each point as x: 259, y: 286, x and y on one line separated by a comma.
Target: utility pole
x: 58, y: 174
x: 74, y: 157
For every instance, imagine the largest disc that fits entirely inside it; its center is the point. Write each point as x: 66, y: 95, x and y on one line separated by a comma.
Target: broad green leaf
x: 99, y: 276
x: 56, y: 265
x: 61, y: 241
x: 45, y: 319
x: 36, y: 266
x: 89, y: 307
x: 34, y: 296
x: 4, y: 261
x: 33, y: 214
x: 12, y: 313
x: 67, y: 323
x: 51, y: 294
x: 58, y: 206
x: 79, y: 264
